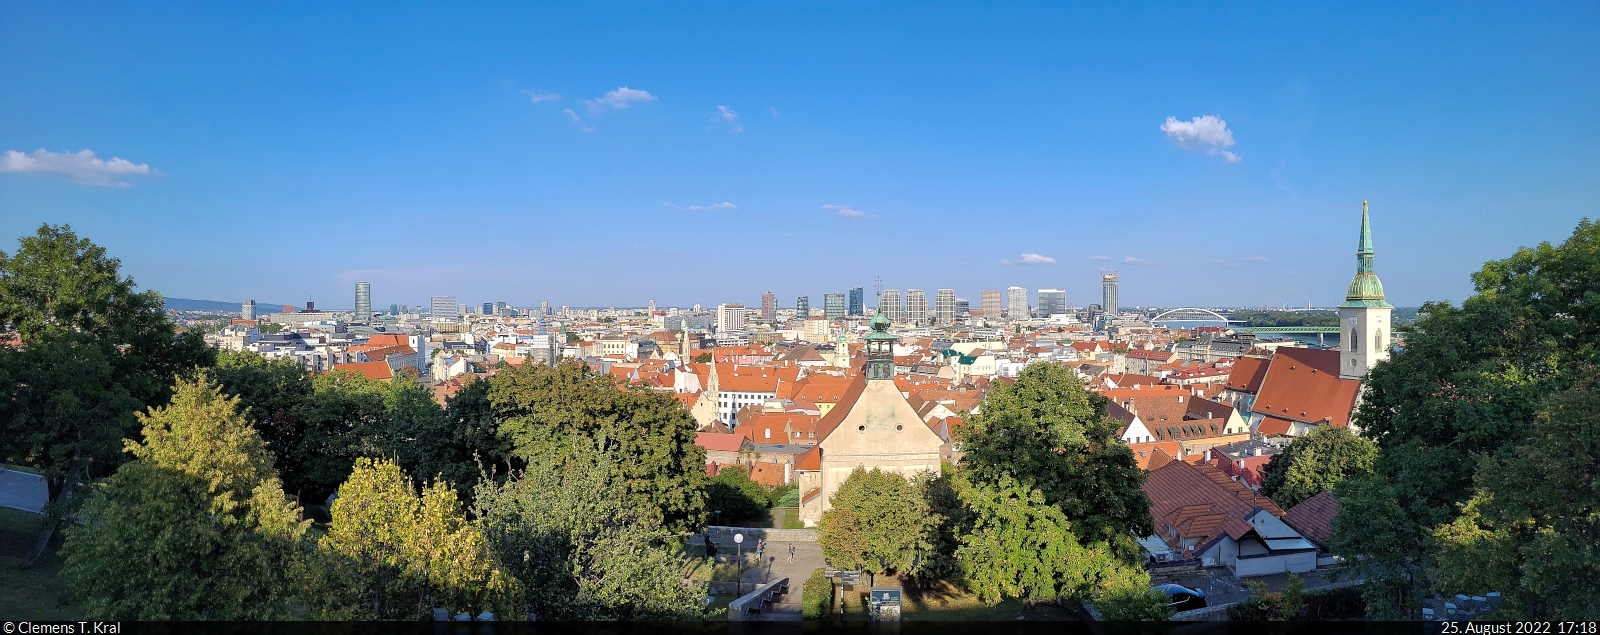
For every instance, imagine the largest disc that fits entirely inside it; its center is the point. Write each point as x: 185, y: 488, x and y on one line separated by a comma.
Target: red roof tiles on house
x: 1313, y: 517
x: 1299, y: 386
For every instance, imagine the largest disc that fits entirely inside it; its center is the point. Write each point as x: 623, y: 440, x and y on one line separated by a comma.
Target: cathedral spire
x: 1365, y: 289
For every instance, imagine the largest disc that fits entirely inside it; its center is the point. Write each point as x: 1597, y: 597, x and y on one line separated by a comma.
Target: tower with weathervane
x: 1364, y: 317
x: 880, y: 349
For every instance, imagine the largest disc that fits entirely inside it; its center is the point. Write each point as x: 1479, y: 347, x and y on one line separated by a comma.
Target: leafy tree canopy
x: 733, y: 493
x: 1464, y: 389
x: 1049, y: 434
x: 1316, y: 462
x: 196, y: 528
x: 547, y: 412
x: 876, y: 522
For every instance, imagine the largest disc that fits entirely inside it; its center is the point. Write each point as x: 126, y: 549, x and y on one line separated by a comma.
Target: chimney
x: 1208, y: 455
x: 1256, y: 451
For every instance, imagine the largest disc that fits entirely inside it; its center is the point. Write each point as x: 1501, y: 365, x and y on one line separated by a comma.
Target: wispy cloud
x: 727, y: 114
x: 578, y: 120
x: 844, y: 211
x: 619, y: 99
x: 1030, y: 259
x: 1099, y: 257
x: 774, y: 110
x: 703, y: 208
x: 1254, y: 259
x: 536, y: 96
x: 1140, y: 261
x: 1207, y: 132
x: 81, y: 166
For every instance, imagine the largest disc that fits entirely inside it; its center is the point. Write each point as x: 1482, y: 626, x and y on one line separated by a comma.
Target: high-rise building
x: 833, y: 306
x: 363, y: 302
x: 247, y: 310
x: 858, y: 301
x: 916, y: 306
x: 443, y: 307
x: 944, y: 306
x: 544, y: 308
x: 394, y: 309
x: 963, y: 307
x: 1052, y: 302
x: 1017, y: 309
x: 486, y: 308
x: 730, y: 318
x: 769, y: 306
x: 652, y: 308
x: 991, y: 304
x: 1364, y: 314
x: 1108, y: 293
x: 889, y: 306
x: 802, y: 306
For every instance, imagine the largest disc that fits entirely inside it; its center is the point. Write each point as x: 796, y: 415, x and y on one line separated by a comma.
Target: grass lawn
x: 33, y: 594
x: 943, y: 602
x: 790, y: 517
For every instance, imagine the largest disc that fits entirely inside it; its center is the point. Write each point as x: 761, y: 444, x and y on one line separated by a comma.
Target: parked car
x: 1182, y: 598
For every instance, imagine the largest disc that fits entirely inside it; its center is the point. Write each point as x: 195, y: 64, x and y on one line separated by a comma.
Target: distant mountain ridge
x: 185, y: 304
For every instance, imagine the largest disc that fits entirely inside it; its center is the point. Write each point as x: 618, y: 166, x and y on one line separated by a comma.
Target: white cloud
x: 1208, y: 132
x: 704, y: 208
x: 81, y: 166
x: 1140, y: 261
x: 774, y: 110
x: 536, y: 96
x: 577, y: 120
x: 1254, y: 259
x: 845, y: 211
x: 619, y: 99
x: 1099, y: 258
x: 1030, y: 259
x: 727, y: 114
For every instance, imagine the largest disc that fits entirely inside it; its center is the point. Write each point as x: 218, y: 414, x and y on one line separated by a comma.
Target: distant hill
x: 185, y: 304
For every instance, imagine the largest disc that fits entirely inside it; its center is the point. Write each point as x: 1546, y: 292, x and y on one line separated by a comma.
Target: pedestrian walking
x: 791, y: 552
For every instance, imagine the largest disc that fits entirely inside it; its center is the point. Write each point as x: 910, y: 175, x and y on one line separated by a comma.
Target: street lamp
x: 738, y: 548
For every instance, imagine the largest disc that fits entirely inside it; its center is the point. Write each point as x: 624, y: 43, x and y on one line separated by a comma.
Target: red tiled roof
x: 372, y: 370
x: 1273, y: 426
x: 810, y: 460
x: 1202, y: 503
x: 767, y: 473
x: 1299, y: 386
x: 1247, y: 374
x: 726, y: 442
x: 1313, y: 517
x: 837, y: 414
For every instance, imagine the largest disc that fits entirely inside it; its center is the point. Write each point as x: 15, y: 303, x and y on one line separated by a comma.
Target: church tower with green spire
x: 1364, y: 315
x: 880, y: 348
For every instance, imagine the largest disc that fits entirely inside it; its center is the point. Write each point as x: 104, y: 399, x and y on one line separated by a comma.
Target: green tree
x: 1047, y: 433
x: 703, y: 358
x: 196, y: 528
x: 95, y: 341
x: 876, y: 522
x: 1465, y: 388
x: 394, y: 553
x: 1532, y: 527
x: 816, y: 596
x: 269, y: 394
x: 344, y: 418
x: 582, y: 547
x: 733, y: 493
x: 547, y: 412
x: 1316, y: 462
x: 471, y: 416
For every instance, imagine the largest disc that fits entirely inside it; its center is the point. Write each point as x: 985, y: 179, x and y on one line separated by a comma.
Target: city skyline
x: 1112, y: 135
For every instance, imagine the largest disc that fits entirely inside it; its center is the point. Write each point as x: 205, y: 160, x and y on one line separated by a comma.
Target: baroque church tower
x: 1364, y: 316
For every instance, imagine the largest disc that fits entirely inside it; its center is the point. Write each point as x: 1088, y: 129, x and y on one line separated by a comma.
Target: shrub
x: 816, y: 597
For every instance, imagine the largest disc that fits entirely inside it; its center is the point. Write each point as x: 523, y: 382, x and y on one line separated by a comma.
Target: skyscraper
x: 1018, y: 307
x: 486, y: 309
x: 858, y: 301
x: 889, y: 306
x: 963, y: 308
x: 1364, y: 314
x: 802, y: 306
x: 916, y: 306
x: 651, y: 309
x: 247, y: 310
x: 1108, y: 293
x: 833, y: 306
x: 1052, y: 302
x: 769, y: 306
x: 944, y: 306
x: 363, y: 302
x: 730, y: 318
x: 444, y: 307
x: 990, y: 301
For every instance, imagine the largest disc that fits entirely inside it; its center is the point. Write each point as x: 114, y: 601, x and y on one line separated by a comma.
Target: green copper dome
x: 1365, y: 289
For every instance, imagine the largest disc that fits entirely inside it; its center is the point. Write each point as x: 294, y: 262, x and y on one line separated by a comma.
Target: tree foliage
x: 1316, y: 462
x: 876, y: 522
x: 196, y: 528
x: 1465, y: 389
x: 1048, y: 434
x: 733, y: 493
x: 816, y: 596
x: 583, y: 548
x: 547, y: 412
x: 1532, y: 529
x: 392, y: 552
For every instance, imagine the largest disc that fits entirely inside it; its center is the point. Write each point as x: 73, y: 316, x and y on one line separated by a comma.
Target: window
x: 769, y: 433
x: 1378, y: 341
x: 1354, y: 340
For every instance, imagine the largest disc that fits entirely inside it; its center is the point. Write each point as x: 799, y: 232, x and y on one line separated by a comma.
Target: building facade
x: 944, y: 306
x: 769, y: 306
x: 833, y: 306
x: 363, y: 303
x: 730, y: 318
x: 1108, y: 293
x: 858, y: 301
x: 247, y: 310
x: 889, y: 305
x: 990, y: 302
x: 916, y: 306
x: 1018, y: 299
x: 1364, y: 316
x: 444, y: 307
x: 1052, y: 302
x: 802, y: 306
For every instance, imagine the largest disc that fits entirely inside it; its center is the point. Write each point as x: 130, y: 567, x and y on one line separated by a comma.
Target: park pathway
x: 774, y: 564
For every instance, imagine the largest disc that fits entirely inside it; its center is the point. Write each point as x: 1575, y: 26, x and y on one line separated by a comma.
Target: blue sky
x: 283, y: 152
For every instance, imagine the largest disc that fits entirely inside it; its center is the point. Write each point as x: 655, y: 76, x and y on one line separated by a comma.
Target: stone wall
x: 723, y: 536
